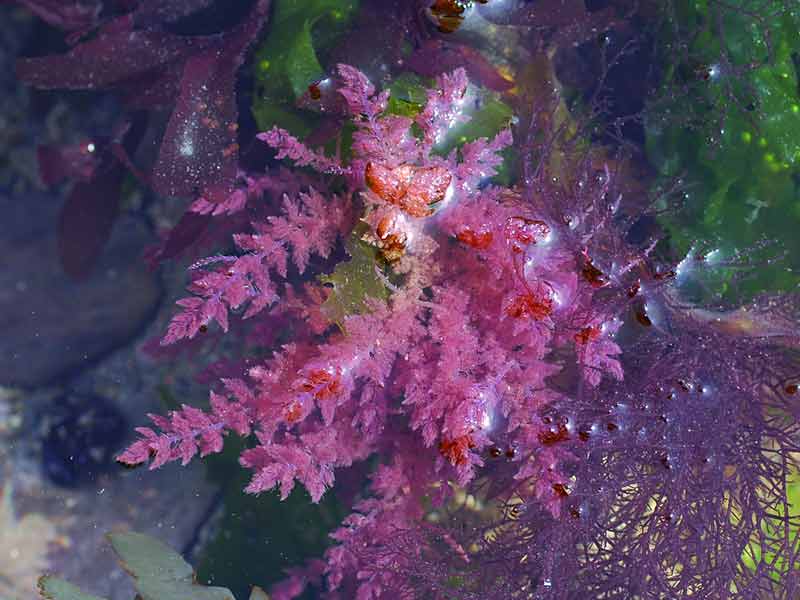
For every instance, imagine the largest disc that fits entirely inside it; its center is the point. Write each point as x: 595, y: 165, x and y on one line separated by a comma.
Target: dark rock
x: 53, y: 326
x: 81, y: 436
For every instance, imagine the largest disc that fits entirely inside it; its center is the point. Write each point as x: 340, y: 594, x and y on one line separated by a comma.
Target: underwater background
x: 129, y: 153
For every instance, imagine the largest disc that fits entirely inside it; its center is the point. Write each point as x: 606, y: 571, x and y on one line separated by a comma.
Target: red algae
x: 433, y: 314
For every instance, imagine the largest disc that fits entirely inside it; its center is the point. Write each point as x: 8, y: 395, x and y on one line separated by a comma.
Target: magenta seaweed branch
x: 538, y: 398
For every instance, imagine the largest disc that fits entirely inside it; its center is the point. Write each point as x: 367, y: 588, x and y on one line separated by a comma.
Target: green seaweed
x: 743, y: 178
x: 158, y: 572
x: 487, y: 121
x: 258, y: 537
x: 54, y: 588
x: 287, y: 62
x: 354, y: 281
x: 408, y: 95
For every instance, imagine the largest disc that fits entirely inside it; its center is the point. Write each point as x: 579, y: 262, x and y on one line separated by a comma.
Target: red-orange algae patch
x: 384, y: 227
x: 640, y: 312
x: 587, y: 334
x: 448, y: 14
x: 314, y: 92
x: 530, y: 305
x: 561, y: 490
x: 392, y: 248
x: 455, y: 450
x: 415, y: 190
x: 593, y: 275
x: 479, y: 241
x: 521, y: 232
x: 392, y: 244
x: 294, y: 412
x: 554, y: 435
x: 323, y: 384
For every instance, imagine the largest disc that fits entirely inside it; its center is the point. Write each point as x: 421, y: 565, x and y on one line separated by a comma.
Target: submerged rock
x: 52, y: 325
x: 81, y: 437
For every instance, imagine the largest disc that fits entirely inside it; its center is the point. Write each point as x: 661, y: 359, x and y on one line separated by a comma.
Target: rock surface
x: 61, y: 338
x: 168, y: 505
x: 51, y: 324
x: 171, y: 504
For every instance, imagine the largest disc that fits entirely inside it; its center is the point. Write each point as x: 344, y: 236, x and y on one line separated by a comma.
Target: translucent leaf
x: 353, y: 282
x: 302, y: 65
x: 408, y: 95
x: 53, y: 588
x: 753, y: 556
x: 258, y: 594
x: 160, y: 573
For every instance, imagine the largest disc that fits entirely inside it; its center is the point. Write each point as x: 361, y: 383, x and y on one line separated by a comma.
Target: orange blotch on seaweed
x: 294, y: 413
x: 521, y: 232
x: 384, y: 227
x: 415, y: 190
x: 554, y: 435
x: 479, y: 241
x: 530, y: 305
x: 587, y: 334
x: 391, y: 242
x: 561, y: 490
x: 323, y: 385
x: 593, y: 275
x: 448, y: 14
x: 314, y: 91
x: 640, y: 312
x: 455, y: 450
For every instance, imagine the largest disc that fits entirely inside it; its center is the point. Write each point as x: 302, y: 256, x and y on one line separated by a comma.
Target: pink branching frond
x: 444, y: 108
x: 308, y: 225
x: 480, y: 160
x: 301, y: 155
x: 359, y: 93
x: 187, y: 432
